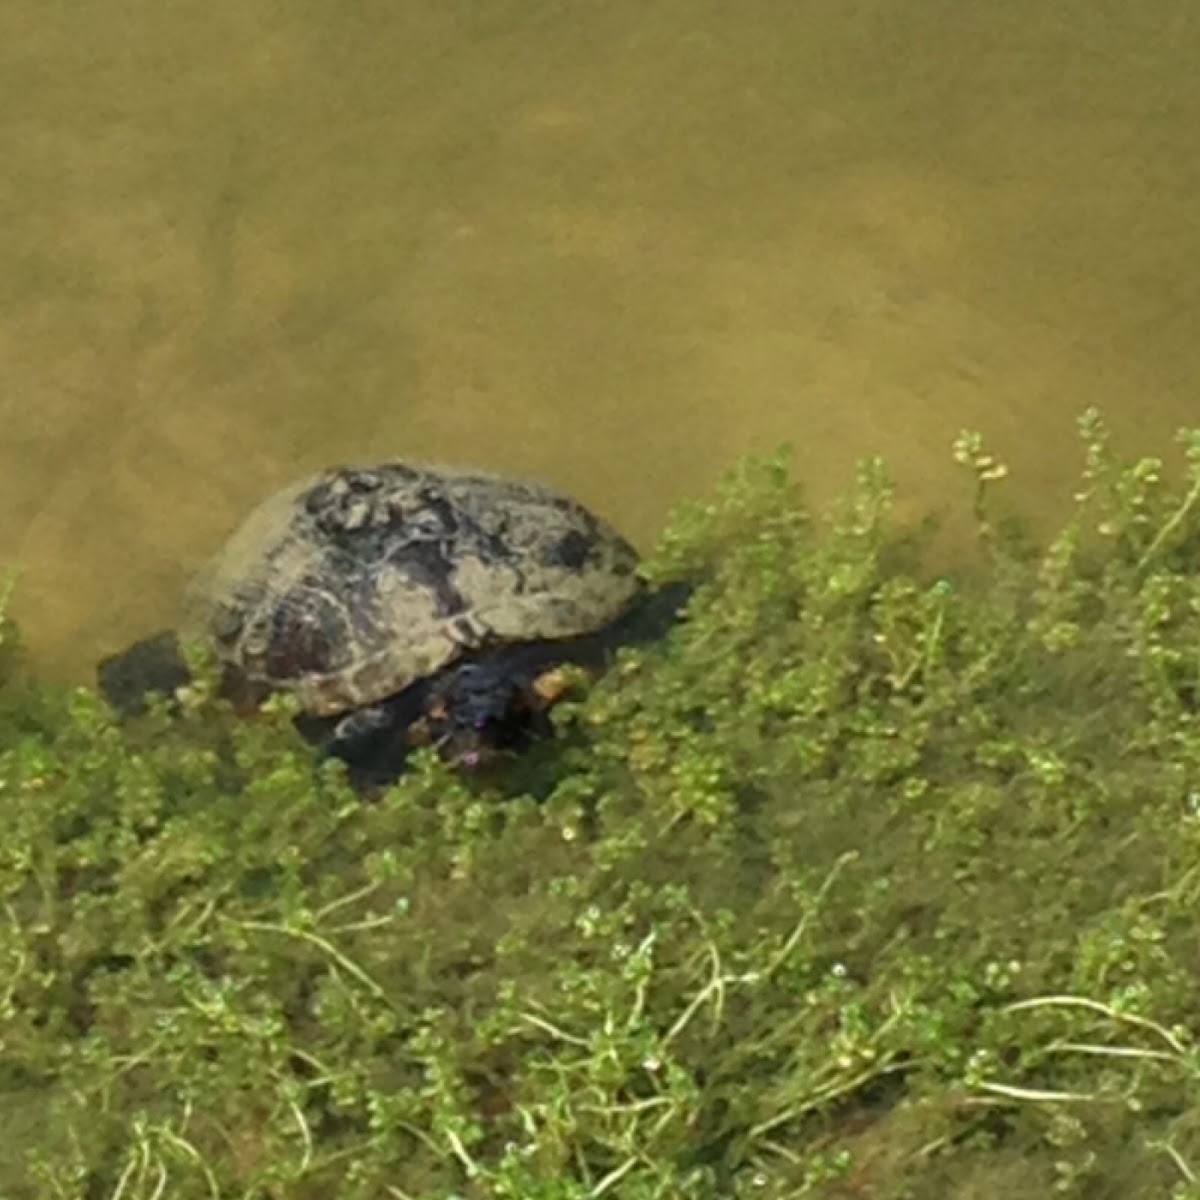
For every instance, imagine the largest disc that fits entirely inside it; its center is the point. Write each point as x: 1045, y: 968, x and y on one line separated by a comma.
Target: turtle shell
x: 348, y: 586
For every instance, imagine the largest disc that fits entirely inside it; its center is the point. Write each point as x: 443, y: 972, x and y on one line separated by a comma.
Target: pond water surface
x: 610, y: 245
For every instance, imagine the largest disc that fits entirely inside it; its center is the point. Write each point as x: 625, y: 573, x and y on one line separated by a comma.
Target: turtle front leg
x: 360, y: 730
x: 373, y: 741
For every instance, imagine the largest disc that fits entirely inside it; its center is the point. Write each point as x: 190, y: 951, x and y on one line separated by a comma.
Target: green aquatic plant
x: 870, y: 879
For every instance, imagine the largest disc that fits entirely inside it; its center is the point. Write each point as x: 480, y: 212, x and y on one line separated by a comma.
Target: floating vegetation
x: 867, y: 880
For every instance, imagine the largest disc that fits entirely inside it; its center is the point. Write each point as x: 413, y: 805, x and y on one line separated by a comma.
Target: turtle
x: 400, y: 603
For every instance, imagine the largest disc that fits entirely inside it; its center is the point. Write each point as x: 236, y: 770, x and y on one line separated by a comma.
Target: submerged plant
x: 868, y: 880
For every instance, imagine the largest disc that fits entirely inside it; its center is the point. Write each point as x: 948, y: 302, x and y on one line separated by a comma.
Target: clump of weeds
x: 866, y: 881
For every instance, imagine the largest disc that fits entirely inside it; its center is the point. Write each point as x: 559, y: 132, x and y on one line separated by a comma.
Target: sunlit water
x: 614, y: 246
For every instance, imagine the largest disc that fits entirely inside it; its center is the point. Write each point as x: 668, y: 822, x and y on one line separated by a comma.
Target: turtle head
x: 481, y: 711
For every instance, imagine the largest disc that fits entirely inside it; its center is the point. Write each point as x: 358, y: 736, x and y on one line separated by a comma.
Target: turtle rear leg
x: 154, y: 664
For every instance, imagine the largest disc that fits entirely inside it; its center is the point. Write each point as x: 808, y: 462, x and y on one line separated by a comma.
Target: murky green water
x: 612, y: 245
